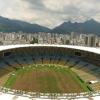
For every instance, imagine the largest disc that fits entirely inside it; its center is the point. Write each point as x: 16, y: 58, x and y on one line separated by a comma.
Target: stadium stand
x: 84, y: 61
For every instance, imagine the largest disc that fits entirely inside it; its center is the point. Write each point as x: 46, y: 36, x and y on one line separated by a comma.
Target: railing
x: 49, y: 95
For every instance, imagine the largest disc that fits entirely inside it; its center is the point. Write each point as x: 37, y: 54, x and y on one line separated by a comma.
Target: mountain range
x: 89, y: 26
x: 8, y: 25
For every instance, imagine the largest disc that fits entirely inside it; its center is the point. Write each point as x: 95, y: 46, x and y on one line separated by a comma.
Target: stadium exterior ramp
x: 92, y: 55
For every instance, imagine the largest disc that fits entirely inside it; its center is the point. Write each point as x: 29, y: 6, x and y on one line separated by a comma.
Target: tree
x: 35, y: 40
x: 67, y: 41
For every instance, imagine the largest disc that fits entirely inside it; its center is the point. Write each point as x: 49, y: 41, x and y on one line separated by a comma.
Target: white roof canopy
x: 89, y: 49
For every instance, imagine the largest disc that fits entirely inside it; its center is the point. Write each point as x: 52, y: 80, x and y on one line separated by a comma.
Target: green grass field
x: 46, y: 78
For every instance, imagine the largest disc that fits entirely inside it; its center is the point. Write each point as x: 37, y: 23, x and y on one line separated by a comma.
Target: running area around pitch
x: 46, y: 79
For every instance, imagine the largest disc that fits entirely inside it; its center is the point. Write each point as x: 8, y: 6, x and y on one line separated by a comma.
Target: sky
x: 50, y: 13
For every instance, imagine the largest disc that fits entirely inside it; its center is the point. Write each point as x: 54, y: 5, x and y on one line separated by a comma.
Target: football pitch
x: 46, y: 79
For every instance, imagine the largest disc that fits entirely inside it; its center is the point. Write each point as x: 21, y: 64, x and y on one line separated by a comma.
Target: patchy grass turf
x: 46, y: 78
x: 3, y: 79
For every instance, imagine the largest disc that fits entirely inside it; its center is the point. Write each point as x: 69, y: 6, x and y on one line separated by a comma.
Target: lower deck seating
x: 84, y: 70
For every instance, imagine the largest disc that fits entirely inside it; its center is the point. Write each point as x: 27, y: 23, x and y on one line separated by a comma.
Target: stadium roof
x: 89, y: 49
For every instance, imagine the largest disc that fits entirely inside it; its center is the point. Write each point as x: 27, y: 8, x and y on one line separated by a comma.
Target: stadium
x: 41, y: 71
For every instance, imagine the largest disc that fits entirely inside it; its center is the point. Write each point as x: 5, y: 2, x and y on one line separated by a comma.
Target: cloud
x: 35, y: 4
x: 51, y: 12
